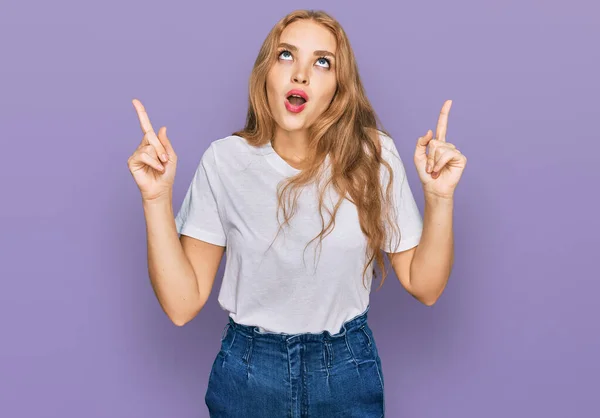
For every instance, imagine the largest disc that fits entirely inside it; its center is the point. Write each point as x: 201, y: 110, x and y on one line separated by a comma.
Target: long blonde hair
x: 348, y: 131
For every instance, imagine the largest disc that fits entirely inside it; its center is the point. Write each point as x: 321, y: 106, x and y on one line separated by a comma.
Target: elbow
x: 430, y: 300
x: 429, y: 297
x: 182, y: 318
x: 427, y: 301
x: 179, y: 321
x: 179, y: 318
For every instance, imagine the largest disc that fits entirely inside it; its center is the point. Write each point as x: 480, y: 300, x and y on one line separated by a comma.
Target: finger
x: 433, y: 149
x: 161, y: 152
x: 148, y: 149
x: 422, y: 143
x: 151, y: 161
x: 164, y: 139
x: 443, y: 159
x: 149, y: 135
x: 442, y: 124
x: 145, y: 149
x: 142, y: 116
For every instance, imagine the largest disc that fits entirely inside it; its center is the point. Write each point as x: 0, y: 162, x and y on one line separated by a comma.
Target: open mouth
x: 296, y: 99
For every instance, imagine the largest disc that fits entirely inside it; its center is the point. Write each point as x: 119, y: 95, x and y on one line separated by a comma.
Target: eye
x: 285, y: 54
x: 324, y: 61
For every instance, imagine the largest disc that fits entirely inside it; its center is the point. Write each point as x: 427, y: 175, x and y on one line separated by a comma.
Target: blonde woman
x: 305, y: 198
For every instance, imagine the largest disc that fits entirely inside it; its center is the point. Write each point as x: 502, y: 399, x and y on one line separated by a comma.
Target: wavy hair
x: 348, y: 131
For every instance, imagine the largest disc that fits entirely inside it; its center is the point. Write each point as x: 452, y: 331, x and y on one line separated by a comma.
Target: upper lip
x: 297, y: 92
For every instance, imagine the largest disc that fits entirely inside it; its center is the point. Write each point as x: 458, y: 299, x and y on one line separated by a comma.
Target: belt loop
x: 369, y: 342
x: 354, y: 360
x: 225, y: 329
x: 248, y: 350
x: 329, y: 354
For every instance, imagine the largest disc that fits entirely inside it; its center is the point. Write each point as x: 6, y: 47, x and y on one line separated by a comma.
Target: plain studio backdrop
x: 516, y: 331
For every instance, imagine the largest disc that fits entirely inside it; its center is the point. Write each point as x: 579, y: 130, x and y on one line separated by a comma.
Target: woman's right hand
x: 154, y: 162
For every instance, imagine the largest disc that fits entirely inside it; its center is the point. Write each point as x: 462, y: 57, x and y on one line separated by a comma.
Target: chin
x: 293, y: 123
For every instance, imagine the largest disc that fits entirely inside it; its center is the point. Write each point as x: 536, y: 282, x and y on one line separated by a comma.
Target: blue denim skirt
x: 269, y: 375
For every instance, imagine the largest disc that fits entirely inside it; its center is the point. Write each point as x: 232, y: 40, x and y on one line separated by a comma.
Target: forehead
x: 309, y: 35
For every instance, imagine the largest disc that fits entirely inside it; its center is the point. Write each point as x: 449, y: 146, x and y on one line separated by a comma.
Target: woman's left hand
x: 439, y: 169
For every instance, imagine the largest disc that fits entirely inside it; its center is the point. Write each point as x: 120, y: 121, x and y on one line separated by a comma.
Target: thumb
x: 162, y: 136
x: 421, y: 150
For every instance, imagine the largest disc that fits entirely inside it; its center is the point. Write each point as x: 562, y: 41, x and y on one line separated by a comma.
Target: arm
x: 424, y: 270
x: 182, y: 272
x: 432, y: 264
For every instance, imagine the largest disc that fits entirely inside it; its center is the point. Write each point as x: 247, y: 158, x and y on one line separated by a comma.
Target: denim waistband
x: 254, y: 331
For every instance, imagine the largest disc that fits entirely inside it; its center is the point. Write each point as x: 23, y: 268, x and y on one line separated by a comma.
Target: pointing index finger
x: 442, y: 124
x: 142, y: 116
x: 149, y: 134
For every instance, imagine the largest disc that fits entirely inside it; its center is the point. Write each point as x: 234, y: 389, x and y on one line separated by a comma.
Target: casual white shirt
x: 275, y: 284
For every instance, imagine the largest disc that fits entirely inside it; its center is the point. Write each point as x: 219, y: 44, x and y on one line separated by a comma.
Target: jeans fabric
x: 270, y: 375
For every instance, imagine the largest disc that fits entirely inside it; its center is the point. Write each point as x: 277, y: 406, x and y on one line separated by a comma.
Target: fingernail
x: 165, y: 158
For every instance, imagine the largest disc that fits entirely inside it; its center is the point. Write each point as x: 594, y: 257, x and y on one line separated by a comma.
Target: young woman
x: 305, y: 199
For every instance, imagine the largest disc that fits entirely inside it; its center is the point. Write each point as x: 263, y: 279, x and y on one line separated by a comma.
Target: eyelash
x: 319, y: 58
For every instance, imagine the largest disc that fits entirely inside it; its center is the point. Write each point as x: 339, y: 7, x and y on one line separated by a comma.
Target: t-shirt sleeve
x: 199, y: 216
x: 404, y: 210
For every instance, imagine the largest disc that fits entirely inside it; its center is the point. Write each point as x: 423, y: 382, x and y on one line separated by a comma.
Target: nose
x: 300, y: 76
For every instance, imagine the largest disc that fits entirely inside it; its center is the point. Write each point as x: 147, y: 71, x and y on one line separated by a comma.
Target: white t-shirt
x: 275, y: 284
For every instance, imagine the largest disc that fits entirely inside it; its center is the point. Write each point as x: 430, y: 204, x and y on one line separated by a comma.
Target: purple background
x: 515, y: 333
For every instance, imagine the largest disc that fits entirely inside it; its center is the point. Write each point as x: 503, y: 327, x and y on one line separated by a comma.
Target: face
x: 305, y: 67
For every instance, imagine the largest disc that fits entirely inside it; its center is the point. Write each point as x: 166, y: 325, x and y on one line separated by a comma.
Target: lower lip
x: 293, y: 108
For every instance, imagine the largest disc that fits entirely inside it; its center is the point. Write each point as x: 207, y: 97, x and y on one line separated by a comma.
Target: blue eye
x: 285, y: 52
x: 325, y: 60
x: 287, y: 55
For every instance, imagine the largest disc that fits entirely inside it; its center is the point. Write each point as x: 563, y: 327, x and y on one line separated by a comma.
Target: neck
x: 292, y: 146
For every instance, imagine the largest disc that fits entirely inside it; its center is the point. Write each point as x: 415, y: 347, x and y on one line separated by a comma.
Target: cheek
x: 331, y: 91
x: 275, y: 79
x: 327, y: 91
x: 270, y: 83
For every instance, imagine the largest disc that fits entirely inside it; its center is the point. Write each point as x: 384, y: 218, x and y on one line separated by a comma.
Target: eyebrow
x: 319, y: 52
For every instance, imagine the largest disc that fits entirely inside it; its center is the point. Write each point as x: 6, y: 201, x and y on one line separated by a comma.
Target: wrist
x: 157, y: 201
x: 437, y: 199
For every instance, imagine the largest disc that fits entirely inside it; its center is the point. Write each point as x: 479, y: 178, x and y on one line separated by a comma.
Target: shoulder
x: 227, y: 155
x: 224, y: 149
x: 389, y: 151
x: 227, y: 145
x: 390, y: 154
x: 385, y: 141
x: 388, y: 146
